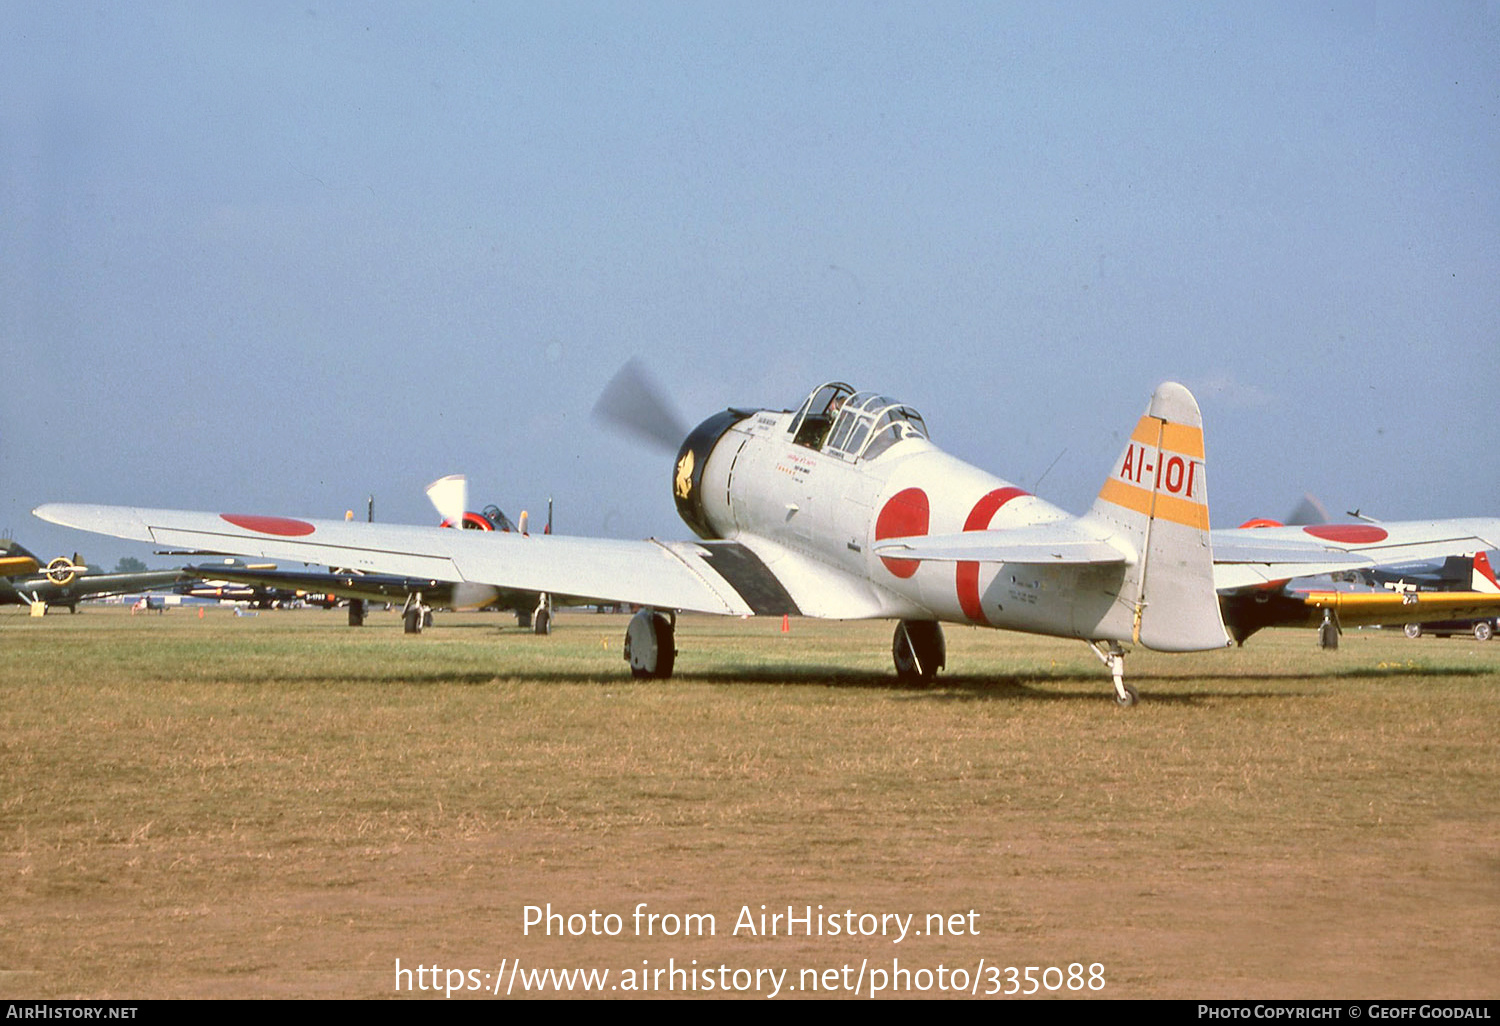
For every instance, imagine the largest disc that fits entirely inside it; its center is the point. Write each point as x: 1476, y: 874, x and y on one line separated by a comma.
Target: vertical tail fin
x: 1484, y: 574
x: 1157, y: 498
x: 16, y: 560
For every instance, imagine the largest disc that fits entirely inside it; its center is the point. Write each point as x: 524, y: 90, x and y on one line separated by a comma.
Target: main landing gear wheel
x: 416, y: 615
x: 918, y: 651
x: 1328, y: 631
x: 649, y: 645
x: 541, y: 617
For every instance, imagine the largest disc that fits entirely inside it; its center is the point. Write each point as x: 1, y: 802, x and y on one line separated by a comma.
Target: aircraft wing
x: 712, y: 577
x: 1365, y: 608
x: 14, y: 566
x: 1253, y: 557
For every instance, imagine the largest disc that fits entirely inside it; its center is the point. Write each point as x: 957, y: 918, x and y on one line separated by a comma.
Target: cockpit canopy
x: 854, y: 425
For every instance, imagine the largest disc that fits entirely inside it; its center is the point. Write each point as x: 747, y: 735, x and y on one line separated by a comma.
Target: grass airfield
x: 280, y: 806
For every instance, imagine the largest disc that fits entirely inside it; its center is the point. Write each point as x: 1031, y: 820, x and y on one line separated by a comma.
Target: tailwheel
x: 1126, y: 695
x: 918, y: 650
x: 650, y: 641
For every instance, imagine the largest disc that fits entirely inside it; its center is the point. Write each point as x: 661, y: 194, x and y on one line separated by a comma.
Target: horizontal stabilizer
x: 1062, y: 543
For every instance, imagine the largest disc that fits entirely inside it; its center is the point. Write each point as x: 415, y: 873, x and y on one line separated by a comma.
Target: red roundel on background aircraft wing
x: 1349, y: 534
x: 270, y: 525
x: 968, y: 573
x: 905, y: 514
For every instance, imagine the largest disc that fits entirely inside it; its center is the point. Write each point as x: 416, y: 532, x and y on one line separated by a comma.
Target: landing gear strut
x: 650, y: 644
x: 1114, y: 657
x: 415, y: 615
x: 1328, y: 630
x: 918, y: 650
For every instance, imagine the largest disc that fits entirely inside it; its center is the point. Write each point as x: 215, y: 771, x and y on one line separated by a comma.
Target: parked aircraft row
x: 66, y: 582
x: 844, y: 508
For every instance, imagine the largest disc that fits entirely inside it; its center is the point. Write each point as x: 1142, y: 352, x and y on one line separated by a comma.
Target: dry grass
x: 279, y: 806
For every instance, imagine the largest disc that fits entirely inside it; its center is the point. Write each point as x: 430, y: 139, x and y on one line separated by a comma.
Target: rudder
x: 1156, y: 498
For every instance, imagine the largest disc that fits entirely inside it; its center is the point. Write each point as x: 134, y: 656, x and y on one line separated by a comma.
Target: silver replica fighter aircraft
x: 844, y: 509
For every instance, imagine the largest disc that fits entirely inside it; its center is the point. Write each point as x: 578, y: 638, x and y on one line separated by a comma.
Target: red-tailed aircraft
x: 844, y: 509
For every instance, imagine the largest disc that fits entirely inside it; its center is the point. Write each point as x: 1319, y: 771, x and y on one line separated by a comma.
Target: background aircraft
x: 66, y: 582
x: 844, y: 508
x: 210, y: 583
x: 1329, y: 609
x: 1458, y: 594
x: 1473, y: 574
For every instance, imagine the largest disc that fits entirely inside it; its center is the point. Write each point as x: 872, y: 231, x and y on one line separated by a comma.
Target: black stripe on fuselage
x: 751, y: 578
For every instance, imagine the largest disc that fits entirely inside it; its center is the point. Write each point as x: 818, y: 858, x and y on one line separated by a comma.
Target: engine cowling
x: 693, y: 458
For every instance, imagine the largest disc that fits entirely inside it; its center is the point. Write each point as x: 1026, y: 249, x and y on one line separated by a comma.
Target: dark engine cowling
x: 692, y: 458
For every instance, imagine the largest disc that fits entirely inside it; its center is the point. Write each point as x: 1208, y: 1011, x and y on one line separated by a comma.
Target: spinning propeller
x: 450, y: 496
x: 634, y: 403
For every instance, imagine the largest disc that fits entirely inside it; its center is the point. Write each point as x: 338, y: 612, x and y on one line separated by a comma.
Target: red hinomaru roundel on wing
x: 1349, y: 534
x: 280, y: 526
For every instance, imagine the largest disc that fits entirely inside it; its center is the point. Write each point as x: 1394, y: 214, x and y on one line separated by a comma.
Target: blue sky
x: 275, y: 258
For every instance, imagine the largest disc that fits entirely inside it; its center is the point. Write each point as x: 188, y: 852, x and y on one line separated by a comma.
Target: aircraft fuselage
x: 744, y: 476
